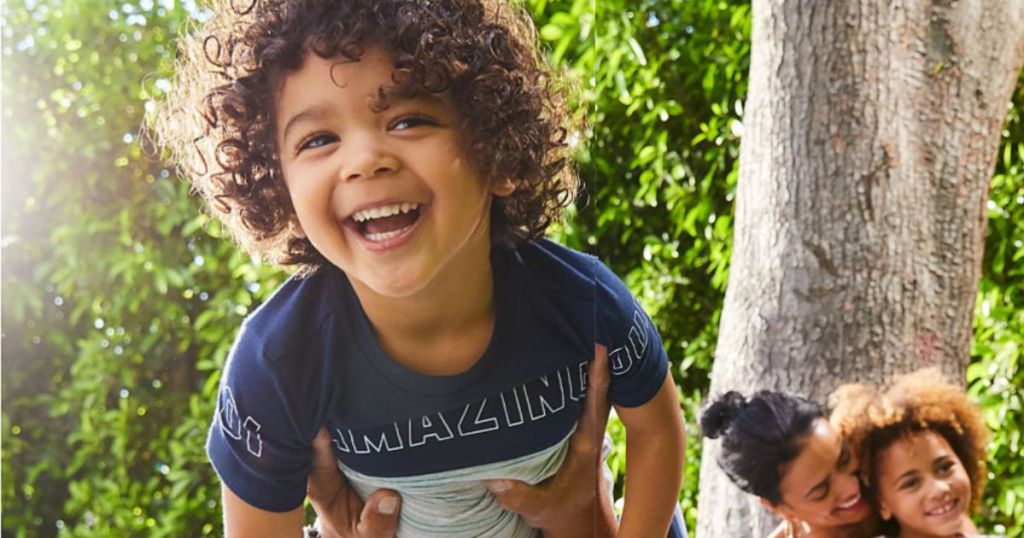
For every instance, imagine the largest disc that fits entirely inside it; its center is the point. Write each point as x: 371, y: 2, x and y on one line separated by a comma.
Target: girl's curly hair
x: 872, y: 421
x: 482, y: 54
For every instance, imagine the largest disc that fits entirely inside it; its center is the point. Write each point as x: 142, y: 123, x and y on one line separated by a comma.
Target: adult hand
x: 342, y: 514
x: 576, y: 500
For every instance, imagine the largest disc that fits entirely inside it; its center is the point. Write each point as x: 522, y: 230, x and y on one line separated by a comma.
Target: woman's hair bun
x: 717, y: 416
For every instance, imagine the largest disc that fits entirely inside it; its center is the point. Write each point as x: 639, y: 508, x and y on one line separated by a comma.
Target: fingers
x: 340, y: 511
x: 519, y: 497
x: 323, y: 455
x: 599, y: 377
x: 566, y: 500
x: 325, y: 480
x: 380, y: 515
x: 335, y: 507
x: 590, y: 431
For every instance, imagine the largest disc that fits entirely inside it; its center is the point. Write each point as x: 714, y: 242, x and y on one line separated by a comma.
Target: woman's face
x: 923, y: 484
x: 820, y: 486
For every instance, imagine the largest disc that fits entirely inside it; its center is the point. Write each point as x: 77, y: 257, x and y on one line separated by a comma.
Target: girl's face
x: 820, y: 485
x: 923, y: 484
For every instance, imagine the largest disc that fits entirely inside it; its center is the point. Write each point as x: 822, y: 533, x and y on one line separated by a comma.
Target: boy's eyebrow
x: 311, y: 113
x: 424, y: 98
x: 427, y: 97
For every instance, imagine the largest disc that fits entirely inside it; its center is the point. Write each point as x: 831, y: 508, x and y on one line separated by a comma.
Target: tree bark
x: 869, y: 138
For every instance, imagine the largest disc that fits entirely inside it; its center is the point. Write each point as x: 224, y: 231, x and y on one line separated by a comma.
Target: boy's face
x: 389, y: 197
x: 922, y: 483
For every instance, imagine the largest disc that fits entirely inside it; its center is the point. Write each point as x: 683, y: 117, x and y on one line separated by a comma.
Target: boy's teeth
x: 383, y: 211
x: 384, y: 236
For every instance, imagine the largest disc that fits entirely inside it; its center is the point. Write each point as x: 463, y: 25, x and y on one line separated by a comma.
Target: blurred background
x: 121, y: 299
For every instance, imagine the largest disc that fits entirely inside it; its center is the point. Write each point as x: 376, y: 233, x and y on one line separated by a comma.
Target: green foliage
x: 121, y: 298
x: 664, y: 97
x: 663, y: 161
x: 996, y: 375
x: 668, y: 82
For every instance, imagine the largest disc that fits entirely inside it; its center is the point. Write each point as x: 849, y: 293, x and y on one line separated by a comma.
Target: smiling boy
x: 391, y: 199
x: 406, y: 157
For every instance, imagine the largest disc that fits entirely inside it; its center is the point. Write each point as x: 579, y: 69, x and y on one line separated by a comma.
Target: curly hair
x: 481, y: 55
x: 872, y: 421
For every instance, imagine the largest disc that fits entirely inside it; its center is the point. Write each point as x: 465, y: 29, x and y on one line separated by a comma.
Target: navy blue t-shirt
x: 307, y: 358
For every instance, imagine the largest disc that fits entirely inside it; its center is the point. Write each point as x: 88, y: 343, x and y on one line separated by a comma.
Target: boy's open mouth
x: 378, y: 224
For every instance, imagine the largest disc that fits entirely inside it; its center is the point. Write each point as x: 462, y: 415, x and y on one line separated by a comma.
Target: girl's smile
x: 923, y: 484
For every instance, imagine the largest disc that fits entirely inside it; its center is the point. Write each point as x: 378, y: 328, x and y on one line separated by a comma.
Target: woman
x: 783, y: 449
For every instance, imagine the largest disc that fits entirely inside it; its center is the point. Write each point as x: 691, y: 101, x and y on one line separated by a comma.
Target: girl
x: 921, y: 445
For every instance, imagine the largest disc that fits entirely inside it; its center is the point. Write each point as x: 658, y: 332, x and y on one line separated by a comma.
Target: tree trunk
x: 869, y: 138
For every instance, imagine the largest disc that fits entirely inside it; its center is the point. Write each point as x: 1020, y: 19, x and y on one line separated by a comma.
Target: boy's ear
x: 503, y: 187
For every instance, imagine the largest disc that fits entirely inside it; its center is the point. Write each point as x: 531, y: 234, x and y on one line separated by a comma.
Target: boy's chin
x: 395, y: 287
x: 393, y: 290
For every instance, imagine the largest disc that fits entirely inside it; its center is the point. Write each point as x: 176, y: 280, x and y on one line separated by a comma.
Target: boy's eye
x: 408, y: 122
x: 316, y: 141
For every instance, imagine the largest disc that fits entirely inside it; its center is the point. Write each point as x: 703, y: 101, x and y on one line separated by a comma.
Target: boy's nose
x: 367, y: 161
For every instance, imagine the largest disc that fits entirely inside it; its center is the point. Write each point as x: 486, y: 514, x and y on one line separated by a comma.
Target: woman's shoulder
x: 782, y: 531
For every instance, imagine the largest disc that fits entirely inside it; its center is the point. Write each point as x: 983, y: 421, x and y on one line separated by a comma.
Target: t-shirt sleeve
x: 636, y: 355
x: 258, y: 443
